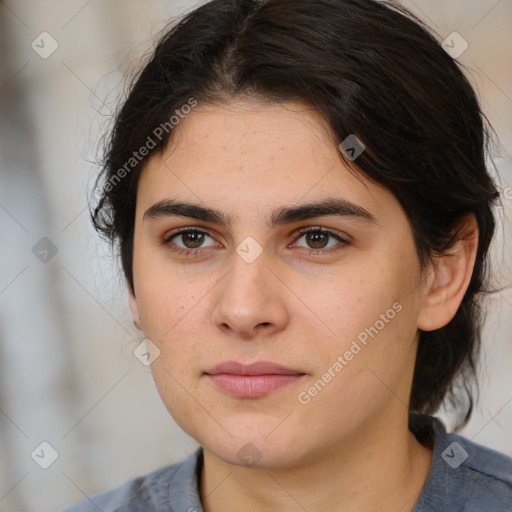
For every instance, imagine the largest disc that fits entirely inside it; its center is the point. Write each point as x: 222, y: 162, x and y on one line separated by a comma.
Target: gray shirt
x: 464, y: 477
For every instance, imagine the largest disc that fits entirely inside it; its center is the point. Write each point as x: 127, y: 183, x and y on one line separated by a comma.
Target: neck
x: 380, y: 467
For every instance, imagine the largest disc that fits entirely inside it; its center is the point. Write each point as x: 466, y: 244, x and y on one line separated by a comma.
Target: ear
x: 450, y: 277
x: 134, y: 308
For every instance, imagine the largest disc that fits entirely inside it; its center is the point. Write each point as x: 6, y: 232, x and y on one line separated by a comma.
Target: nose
x: 250, y: 301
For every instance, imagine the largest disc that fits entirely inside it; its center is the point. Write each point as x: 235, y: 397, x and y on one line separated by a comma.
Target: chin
x: 262, y: 451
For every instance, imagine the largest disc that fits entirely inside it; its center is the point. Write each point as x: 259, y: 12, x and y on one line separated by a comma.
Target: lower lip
x: 252, y: 386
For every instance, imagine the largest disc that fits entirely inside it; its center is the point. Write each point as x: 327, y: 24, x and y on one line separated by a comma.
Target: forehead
x: 250, y: 132
x: 253, y: 157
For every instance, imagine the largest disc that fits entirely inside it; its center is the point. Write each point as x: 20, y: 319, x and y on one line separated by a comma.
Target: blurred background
x: 68, y: 376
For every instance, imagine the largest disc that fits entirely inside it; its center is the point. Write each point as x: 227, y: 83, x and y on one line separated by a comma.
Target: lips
x: 252, y: 380
x: 257, y: 368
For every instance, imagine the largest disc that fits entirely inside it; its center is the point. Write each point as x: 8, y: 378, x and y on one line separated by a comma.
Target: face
x: 336, y: 305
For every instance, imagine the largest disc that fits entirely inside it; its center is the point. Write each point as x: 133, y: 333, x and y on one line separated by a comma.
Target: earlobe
x: 134, y: 308
x: 450, y: 278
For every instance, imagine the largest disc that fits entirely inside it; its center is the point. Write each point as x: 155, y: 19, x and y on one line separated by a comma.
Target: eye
x: 192, y: 239
x: 318, y: 240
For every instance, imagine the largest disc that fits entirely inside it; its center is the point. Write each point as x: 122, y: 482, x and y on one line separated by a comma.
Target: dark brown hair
x: 368, y: 68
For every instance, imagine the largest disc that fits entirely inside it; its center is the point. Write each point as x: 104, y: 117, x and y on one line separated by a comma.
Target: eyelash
x: 313, y: 252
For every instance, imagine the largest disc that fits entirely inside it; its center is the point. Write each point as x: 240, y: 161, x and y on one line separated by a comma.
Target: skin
x: 349, y: 448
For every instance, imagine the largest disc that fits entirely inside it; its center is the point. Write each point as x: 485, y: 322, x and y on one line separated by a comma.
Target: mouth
x: 252, y: 380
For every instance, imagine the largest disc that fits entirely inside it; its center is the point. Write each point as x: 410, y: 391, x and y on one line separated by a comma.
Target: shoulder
x: 139, y: 493
x: 465, y: 476
x: 489, y: 471
x: 157, y: 490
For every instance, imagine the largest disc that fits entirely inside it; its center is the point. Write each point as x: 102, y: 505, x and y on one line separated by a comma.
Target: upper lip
x: 257, y: 368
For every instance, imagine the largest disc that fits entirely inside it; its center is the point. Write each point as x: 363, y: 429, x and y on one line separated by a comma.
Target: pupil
x: 193, y: 235
x: 316, y: 236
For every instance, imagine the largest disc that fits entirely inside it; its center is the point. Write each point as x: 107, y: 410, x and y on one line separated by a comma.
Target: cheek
x: 369, y: 318
x: 174, y: 321
x: 167, y: 304
x: 176, y: 389
x: 346, y: 306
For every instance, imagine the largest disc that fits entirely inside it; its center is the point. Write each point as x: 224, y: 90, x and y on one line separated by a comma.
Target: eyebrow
x: 277, y: 217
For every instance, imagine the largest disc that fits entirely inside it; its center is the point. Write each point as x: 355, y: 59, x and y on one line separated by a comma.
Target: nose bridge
x: 248, y: 272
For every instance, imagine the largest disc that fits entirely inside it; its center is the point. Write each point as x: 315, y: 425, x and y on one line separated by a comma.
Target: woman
x: 299, y: 194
